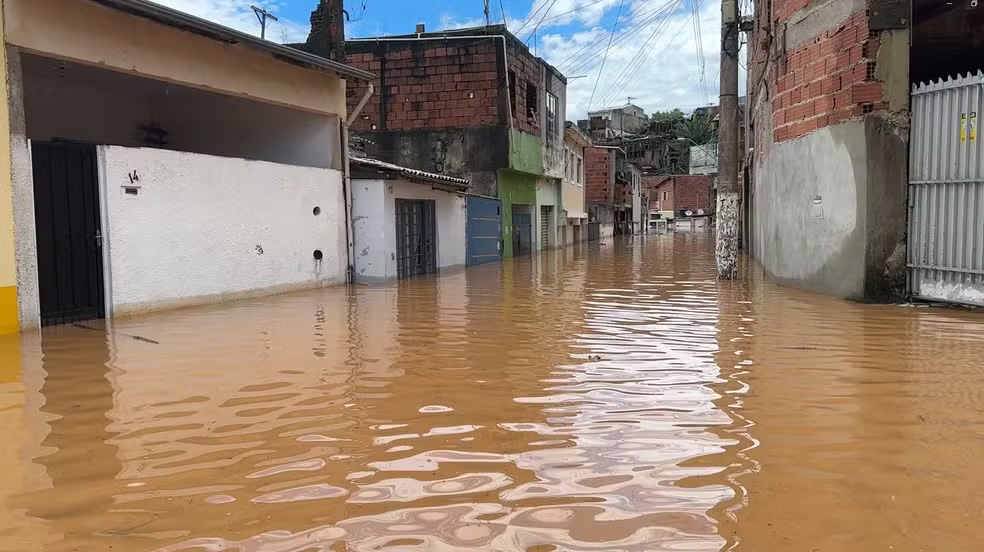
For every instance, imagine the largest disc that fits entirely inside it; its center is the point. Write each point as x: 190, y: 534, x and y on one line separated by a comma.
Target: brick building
x: 472, y: 103
x: 612, y: 192
x: 826, y: 184
x: 673, y: 196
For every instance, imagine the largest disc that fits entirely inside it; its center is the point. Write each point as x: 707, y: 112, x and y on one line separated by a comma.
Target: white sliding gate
x: 946, y: 192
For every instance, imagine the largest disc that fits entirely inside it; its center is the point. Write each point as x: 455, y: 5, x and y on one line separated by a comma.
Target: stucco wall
x: 810, y: 231
x: 206, y: 228
x: 89, y: 33
x: 374, y: 223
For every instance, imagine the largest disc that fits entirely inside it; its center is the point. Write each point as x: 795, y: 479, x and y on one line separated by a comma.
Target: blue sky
x: 658, y: 56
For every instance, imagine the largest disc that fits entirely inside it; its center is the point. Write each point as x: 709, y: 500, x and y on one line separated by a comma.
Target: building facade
x: 476, y: 104
x: 406, y: 223
x: 616, y: 122
x: 148, y: 164
x: 828, y: 145
x: 575, y: 142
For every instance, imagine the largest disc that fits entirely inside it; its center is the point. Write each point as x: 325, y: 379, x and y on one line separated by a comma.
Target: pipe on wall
x: 347, y: 185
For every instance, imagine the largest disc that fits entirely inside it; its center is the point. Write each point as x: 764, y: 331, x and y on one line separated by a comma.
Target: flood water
x: 612, y: 397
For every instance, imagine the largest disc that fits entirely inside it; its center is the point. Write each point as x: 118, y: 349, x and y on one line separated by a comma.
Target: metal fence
x: 946, y: 191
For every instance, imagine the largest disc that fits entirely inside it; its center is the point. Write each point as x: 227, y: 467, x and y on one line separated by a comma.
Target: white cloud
x: 237, y: 14
x: 659, y: 73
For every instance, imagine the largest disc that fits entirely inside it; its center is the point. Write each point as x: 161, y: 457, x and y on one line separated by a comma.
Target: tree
x: 695, y: 130
x: 664, y: 121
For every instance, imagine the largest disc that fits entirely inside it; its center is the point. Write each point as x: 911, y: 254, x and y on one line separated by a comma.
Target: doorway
x: 522, y: 220
x: 69, y: 232
x: 416, y: 238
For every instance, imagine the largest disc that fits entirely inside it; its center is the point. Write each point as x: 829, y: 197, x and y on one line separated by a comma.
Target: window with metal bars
x: 416, y: 238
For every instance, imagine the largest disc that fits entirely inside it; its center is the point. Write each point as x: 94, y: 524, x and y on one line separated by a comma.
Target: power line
x: 635, y: 71
x: 640, y: 56
x: 532, y: 15
x: 502, y: 10
x: 604, y: 59
x: 541, y: 21
x: 584, y: 57
x: 580, y: 53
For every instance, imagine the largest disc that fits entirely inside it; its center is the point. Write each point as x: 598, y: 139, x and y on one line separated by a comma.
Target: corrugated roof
x: 190, y: 23
x: 408, y: 172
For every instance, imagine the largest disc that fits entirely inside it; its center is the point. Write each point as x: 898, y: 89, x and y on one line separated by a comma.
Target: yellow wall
x: 8, y: 271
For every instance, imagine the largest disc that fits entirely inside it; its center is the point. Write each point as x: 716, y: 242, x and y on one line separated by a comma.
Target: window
x: 553, y: 128
x: 580, y: 170
x: 512, y: 92
x: 665, y: 196
x: 532, y: 97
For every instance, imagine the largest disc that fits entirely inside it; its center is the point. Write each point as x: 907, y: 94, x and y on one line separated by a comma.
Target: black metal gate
x: 416, y: 238
x: 69, y: 232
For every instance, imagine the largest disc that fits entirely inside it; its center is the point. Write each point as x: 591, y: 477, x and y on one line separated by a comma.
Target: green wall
x: 515, y: 188
x: 525, y: 152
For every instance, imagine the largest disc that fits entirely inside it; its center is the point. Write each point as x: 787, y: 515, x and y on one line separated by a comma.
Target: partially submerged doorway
x: 69, y: 232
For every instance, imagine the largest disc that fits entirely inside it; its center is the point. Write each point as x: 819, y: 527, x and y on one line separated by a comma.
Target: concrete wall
x: 204, y: 228
x: 835, y: 231
x: 374, y: 223
x: 830, y: 127
x: 86, y: 32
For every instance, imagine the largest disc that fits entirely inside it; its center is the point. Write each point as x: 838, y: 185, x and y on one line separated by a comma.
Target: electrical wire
x: 638, y: 66
x: 530, y: 19
x: 502, y: 10
x: 641, y: 55
x: 604, y: 59
x: 699, y: 41
x: 585, y: 58
x: 587, y: 52
x: 533, y: 32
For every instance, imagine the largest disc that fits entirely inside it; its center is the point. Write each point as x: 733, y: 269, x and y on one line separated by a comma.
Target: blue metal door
x: 484, y: 232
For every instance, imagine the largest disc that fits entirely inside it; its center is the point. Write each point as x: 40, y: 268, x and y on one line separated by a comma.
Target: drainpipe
x: 505, y: 56
x: 347, y: 186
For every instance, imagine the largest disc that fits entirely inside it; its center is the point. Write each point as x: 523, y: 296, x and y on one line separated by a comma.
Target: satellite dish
x: 690, y: 213
x: 700, y: 211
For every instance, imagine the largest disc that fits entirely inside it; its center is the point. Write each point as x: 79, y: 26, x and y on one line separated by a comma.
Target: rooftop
x: 387, y: 170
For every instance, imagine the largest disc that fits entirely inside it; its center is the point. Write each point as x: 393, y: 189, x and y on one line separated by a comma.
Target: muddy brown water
x: 605, y: 398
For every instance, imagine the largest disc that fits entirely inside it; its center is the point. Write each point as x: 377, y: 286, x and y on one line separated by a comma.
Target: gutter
x: 445, y: 38
x: 347, y: 185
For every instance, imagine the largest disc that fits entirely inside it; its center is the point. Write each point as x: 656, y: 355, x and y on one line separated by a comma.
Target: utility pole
x: 262, y: 15
x: 728, y: 192
x: 488, y: 18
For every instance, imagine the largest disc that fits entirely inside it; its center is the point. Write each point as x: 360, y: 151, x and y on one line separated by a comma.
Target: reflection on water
x: 604, y: 398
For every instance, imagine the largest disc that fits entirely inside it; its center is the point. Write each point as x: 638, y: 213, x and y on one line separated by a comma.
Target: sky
x: 655, y: 52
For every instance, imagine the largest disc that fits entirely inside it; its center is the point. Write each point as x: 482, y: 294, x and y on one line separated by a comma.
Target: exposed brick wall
x: 528, y: 72
x: 827, y: 80
x: 597, y: 175
x: 692, y: 192
x: 656, y: 200
x: 436, y: 84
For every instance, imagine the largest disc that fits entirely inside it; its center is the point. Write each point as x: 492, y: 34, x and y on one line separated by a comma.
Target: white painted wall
x: 205, y: 228
x: 374, y: 223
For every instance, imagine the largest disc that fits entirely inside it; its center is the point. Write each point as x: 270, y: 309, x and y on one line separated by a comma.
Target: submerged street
x: 605, y: 397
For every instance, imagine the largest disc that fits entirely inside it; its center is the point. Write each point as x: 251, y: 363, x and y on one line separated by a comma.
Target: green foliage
x: 683, y: 132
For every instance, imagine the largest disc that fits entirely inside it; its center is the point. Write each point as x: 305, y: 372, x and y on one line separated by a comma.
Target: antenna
x: 262, y: 15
